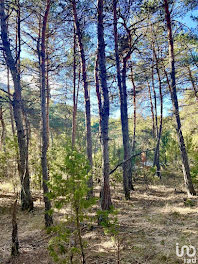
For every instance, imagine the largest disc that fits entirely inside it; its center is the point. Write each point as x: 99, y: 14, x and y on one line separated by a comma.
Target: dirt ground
x: 151, y: 223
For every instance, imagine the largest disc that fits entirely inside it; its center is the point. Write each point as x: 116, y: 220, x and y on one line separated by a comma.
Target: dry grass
x: 151, y: 223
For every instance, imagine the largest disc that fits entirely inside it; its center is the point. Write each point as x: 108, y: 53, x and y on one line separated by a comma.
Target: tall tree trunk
x: 152, y: 111
x: 127, y: 167
x: 105, y: 194
x: 157, y: 149
x: 134, y: 109
x: 26, y: 198
x: 47, y: 83
x: 185, y: 163
x: 74, y: 93
x: 10, y: 106
x: 48, y: 217
x: 154, y: 94
x: 86, y: 95
x: 12, y: 120
x: 98, y: 93
x: 26, y: 181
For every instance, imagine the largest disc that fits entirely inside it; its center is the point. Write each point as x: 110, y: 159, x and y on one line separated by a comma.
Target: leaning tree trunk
x: 86, y: 95
x: 104, y: 118
x: 26, y: 198
x: 48, y: 217
x: 185, y: 163
x: 127, y: 168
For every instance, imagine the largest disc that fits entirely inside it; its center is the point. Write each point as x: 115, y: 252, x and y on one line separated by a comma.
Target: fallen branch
x: 134, y: 155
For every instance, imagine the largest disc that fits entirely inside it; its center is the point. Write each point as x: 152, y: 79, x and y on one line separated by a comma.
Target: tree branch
x: 132, y: 156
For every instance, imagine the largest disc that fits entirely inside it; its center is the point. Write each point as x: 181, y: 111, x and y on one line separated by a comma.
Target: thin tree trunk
x: 86, y: 95
x: 18, y: 36
x: 47, y: 83
x: 185, y: 163
x: 134, y: 110
x: 10, y: 106
x: 12, y: 120
x: 154, y: 94
x: 26, y: 198
x: 3, y: 143
x: 48, y: 217
x: 193, y: 83
x: 105, y: 193
x: 98, y: 93
x: 152, y: 110
x: 74, y: 94
x: 26, y: 180
x: 127, y: 167
x: 3, y: 133
x: 78, y: 227
x: 157, y: 149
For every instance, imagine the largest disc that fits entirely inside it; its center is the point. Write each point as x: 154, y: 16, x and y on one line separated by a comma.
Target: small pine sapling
x: 68, y: 193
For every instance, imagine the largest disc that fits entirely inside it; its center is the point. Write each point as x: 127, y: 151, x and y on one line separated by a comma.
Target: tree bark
x: 185, y: 163
x: 152, y: 111
x: 48, y: 217
x: 74, y: 94
x: 47, y: 83
x: 98, y: 93
x: 3, y: 133
x: 26, y: 198
x: 154, y: 94
x: 134, y: 109
x: 10, y: 106
x: 127, y: 167
x: 105, y: 193
x: 157, y: 149
x: 86, y: 95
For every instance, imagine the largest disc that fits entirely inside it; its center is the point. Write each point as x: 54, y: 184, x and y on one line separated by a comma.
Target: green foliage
x: 8, y: 158
x: 109, y: 221
x: 68, y: 192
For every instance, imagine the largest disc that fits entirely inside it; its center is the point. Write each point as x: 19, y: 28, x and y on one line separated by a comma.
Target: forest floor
x: 151, y: 223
